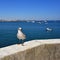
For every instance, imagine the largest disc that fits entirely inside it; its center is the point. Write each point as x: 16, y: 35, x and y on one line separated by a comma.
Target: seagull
x: 21, y: 35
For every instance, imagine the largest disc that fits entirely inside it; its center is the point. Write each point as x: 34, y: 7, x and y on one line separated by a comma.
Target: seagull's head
x: 19, y: 28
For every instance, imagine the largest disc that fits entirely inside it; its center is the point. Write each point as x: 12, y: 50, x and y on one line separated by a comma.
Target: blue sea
x: 32, y: 30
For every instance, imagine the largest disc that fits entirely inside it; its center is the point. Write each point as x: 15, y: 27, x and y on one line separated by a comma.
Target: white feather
x: 20, y: 35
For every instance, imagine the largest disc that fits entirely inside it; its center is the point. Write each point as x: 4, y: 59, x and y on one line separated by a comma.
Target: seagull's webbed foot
x: 22, y: 44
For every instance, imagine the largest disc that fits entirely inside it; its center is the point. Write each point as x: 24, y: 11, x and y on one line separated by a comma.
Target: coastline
x: 27, y: 20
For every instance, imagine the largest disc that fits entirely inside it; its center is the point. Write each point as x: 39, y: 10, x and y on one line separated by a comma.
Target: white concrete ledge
x: 13, y: 49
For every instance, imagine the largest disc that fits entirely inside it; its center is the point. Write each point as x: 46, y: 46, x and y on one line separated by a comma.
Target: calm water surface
x: 8, y: 31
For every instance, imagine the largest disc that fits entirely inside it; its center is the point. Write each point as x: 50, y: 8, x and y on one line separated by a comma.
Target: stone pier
x: 33, y: 50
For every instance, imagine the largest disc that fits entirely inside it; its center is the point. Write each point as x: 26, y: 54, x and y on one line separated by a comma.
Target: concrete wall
x: 33, y: 50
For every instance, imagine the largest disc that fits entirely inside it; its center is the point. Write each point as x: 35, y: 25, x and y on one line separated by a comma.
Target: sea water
x: 32, y: 30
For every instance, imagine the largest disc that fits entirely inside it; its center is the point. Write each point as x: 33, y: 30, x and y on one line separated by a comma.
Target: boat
x: 33, y: 21
x: 39, y: 22
x: 48, y: 29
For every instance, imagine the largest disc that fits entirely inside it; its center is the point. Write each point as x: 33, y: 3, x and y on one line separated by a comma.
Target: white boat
x: 48, y: 29
x: 33, y: 21
x: 39, y: 22
x: 45, y: 21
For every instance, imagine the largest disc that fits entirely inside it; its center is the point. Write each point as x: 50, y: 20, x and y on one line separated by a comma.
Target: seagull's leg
x: 22, y: 42
x: 18, y: 42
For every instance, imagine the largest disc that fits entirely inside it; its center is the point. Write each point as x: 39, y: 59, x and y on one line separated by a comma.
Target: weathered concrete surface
x: 32, y: 50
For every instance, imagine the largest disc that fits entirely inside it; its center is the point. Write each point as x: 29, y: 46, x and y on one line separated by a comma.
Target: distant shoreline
x: 26, y: 20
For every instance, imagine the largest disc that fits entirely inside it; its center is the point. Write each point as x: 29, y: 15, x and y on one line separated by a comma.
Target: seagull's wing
x: 24, y: 36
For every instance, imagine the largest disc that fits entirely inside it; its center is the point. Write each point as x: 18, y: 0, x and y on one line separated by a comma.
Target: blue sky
x: 30, y: 9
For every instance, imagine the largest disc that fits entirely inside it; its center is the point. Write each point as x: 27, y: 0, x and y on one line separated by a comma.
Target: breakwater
x: 33, y: 50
